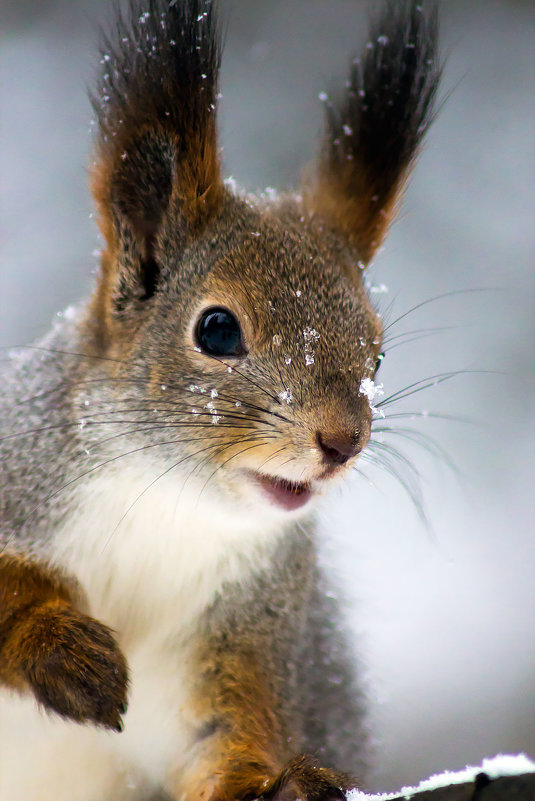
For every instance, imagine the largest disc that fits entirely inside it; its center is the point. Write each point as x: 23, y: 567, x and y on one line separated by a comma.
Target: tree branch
x: 482, y: 788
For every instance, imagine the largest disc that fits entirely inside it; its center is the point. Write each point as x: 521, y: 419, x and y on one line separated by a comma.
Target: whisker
x: 59, y: 352
x: 246, y: 378
x: 424, y: 441
x: 273, y: 455
x: 152, y: 483
x: 432, y: 415
x: 93, y: 469
x: 175, y: 425
x: 425, y: 383
x: 223, y: 464
x: 416, y: 331
x: 395, y: 454
x: 182, y: 410
x: 433, y: 300
x: 91, y: 423
x: 407, y: 340
x: 413, y: 491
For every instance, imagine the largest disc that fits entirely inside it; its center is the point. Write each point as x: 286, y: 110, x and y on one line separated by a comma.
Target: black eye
x: 218, y: 333
x: 379, y: 361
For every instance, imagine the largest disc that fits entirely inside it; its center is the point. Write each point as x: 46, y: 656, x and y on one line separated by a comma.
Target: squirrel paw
x: 304, y: 780
x: 74, y: 666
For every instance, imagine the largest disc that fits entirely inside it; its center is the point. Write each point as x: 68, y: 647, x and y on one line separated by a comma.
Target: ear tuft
x: 156, y: 153
x: 375, y: 130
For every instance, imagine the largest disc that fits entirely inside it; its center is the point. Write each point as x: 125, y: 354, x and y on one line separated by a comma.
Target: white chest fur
x: 148, y: 552
x: 151, y: 561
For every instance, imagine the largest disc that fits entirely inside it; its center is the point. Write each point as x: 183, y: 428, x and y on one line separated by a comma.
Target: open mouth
x: 286, y: 494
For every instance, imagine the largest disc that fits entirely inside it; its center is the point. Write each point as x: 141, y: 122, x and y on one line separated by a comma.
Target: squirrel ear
x: 156, y: 154
x: 374, y: 131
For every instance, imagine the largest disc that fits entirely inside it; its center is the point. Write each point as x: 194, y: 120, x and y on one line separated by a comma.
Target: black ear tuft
x: 156, y: 149
x: 160, y: 68
x: 375, y: 130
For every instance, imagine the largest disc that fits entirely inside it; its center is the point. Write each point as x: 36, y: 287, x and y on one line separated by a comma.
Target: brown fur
x: 355, y: 211
x: 68, y: 660
x: 196, y: 196
x: 250, y: 756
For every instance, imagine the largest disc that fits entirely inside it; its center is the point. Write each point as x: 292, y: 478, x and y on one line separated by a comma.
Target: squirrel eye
x: 379, y: 361
x: 218, y: 333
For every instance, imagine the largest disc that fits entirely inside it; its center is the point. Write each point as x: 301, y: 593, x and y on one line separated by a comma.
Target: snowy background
x: 444, y: 616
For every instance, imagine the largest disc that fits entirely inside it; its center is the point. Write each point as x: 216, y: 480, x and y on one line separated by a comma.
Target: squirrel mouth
x: 288, y: 495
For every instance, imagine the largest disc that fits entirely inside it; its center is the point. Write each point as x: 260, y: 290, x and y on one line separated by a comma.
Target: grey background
x: 443, y: 616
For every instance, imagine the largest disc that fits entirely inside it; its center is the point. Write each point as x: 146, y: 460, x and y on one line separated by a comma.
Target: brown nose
x: 338, y: 449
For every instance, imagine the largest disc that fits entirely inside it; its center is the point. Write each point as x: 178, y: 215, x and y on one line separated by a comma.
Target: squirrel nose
x: 338, y: 449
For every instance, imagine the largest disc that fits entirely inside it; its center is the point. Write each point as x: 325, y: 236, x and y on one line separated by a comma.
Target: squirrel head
x: 243, y: 321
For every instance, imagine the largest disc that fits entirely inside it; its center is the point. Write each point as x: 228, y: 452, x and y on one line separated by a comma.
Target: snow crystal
x: 323, y: 97
x: 238, y: 403
x: 382, y: 40
x: 310, y: 335
x: 287, y: 360
x: 494, y: 767
x: 371, y: 390
x: 298, y: 293
x: 277, y: 340
x: 69, y: 313
x: 163, y: 387
x: 230, y: 182
x: 348, y: 130
x: 214, y: 393
x: 286, y: 396
x: 380, y: 289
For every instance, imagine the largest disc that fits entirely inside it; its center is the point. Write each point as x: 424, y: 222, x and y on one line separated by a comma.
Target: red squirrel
x: 164, y: 448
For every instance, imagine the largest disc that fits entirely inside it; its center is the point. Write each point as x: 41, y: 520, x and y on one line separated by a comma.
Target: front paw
x: 74, y: 665
x: 304, y: 780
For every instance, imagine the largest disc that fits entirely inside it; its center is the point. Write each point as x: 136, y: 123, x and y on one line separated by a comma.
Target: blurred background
x: 443, y: 613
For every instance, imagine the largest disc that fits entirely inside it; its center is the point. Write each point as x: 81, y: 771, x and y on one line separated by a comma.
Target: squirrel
x: 166, y: 631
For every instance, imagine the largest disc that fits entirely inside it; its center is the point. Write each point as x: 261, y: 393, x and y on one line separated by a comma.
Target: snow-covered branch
x: 502, y: 778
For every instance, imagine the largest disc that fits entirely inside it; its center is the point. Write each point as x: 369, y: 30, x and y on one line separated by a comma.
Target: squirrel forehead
x: 283, y: 268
